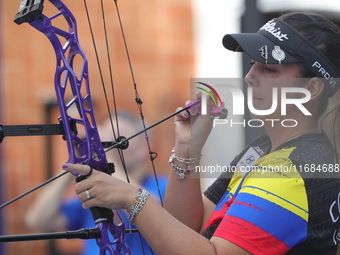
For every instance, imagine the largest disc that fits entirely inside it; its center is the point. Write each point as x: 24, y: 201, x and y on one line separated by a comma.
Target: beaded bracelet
x: 138, y: 203
x: 180, y: 172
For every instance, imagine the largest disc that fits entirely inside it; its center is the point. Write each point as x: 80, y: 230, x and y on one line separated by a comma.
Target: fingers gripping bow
x: 89, y: 150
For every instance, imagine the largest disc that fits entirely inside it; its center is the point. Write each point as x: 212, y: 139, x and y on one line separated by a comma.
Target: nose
x: 251, y: 77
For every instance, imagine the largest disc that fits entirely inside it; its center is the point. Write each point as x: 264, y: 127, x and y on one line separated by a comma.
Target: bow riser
x: 90, y: 150
x: 66, y: 79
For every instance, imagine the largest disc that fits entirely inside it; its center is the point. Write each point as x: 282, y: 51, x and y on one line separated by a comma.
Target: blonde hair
x: 325, y: 35
x: 330, y: 124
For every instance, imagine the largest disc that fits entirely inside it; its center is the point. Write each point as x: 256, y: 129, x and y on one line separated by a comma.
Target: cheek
x: 269, y: 101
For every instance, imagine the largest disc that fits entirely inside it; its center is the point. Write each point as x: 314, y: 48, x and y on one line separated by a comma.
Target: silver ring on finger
x: 87, y: 193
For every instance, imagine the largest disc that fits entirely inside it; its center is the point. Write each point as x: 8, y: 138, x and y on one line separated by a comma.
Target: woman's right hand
x: 191, y: 131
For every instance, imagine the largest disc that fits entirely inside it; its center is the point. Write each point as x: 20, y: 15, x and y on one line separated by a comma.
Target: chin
x: 274, y: 115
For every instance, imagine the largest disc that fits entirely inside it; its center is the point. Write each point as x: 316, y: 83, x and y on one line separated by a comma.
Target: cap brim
x: 277, y: 42
x: 253, y: 45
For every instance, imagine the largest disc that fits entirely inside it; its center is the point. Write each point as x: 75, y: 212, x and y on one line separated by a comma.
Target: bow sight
x: 28, y: 11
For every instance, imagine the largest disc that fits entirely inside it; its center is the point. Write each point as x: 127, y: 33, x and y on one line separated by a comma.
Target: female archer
x: 258, y: 209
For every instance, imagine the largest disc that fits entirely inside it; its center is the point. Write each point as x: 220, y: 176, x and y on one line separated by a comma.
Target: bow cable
x: 139, y: 103
x: 120, y: 151
x: 138, y: 100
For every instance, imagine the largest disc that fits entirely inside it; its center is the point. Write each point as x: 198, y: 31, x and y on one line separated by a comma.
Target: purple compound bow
x: 81, y: 151
x: 76, y: 109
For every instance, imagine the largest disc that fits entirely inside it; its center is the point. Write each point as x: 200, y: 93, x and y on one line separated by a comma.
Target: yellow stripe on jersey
x: 269, y: 174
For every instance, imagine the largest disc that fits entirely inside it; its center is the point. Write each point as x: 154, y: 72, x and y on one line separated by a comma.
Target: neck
x: 280, y: 134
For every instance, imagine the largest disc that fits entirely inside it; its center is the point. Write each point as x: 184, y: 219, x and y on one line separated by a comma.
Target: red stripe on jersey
x: 249, y: 237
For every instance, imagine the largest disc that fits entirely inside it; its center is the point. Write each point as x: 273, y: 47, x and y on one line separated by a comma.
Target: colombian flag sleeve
x: 269, y: 215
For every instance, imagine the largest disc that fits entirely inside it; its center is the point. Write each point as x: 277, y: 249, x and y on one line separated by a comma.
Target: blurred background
x: 170, y: 41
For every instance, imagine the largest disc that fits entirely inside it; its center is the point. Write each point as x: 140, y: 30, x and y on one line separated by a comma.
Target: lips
x: 257, y: 98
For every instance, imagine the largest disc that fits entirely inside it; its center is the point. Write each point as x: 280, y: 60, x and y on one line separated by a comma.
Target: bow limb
x: 76, y: 108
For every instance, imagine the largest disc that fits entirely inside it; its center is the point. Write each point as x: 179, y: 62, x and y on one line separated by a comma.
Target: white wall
x: 314, y: 5
x: 214, y: 19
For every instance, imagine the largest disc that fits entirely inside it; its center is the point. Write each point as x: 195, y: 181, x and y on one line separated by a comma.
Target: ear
x: 315, y: 87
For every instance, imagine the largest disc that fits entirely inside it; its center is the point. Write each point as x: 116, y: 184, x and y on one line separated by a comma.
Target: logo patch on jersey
x: 248, y: 159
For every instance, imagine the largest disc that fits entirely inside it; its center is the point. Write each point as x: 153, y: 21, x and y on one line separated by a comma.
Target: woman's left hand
x: 102, y: 190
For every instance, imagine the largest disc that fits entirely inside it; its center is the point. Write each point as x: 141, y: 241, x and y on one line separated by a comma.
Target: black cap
x: 279, y: 43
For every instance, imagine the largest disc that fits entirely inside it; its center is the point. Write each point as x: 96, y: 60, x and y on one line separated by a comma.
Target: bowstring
x: 139, y: 102
x: 115, y: 133
x: 33, y: 189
